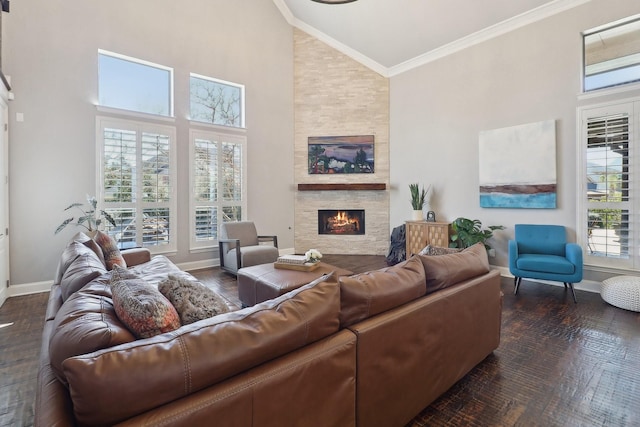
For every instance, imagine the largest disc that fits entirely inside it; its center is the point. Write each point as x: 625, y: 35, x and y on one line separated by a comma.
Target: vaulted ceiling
x: 392, y: 36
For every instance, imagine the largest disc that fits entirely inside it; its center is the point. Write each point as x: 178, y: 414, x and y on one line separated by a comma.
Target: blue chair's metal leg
x: 517, y: 281
x: 573, y: 292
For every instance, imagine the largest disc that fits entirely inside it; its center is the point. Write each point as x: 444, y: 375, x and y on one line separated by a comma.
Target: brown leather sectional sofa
x: 372, y: 349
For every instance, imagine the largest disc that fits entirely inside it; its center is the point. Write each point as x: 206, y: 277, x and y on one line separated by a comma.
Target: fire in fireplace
x: 341, y: 222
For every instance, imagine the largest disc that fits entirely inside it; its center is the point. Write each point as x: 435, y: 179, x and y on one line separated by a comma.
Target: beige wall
x: 336, y: 96
x: 50, y: 51
x: 525, y: 76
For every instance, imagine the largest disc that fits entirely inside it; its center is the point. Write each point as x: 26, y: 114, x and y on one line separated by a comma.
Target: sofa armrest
x: 273, y: 239
x: 573, y: 252
x: 513, y: 254
x: 136, y: 256
x: 230, y: 244
x: 222, y: 242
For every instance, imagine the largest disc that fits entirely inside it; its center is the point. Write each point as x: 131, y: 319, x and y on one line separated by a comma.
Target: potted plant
x: 418, y: 199
x: 90, y: 218
x: 467, y: 232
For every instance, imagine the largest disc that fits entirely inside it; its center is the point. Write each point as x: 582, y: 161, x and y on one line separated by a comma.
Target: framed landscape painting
x: 518, y: 166
x: 341, y: 154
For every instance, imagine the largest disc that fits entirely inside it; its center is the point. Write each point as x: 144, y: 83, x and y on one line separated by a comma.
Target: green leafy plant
x: 467, y: 232
x: 418, y: 197
x: 90, y: 218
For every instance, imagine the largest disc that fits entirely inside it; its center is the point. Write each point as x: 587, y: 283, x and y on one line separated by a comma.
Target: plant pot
x: 417, y: 215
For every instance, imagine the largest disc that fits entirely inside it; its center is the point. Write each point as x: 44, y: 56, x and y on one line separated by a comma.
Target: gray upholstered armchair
x: 240, y: 246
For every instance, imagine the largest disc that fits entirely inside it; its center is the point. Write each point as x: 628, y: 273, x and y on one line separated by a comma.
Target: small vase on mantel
x: 417, y: 215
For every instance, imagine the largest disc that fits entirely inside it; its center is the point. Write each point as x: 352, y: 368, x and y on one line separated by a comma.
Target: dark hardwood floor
x: 558, y: 364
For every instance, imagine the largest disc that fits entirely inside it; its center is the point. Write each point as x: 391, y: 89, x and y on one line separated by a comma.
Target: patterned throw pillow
x: 110, y: 251
x: 140, y: 306
x: 193, y: 301
x: 437, y: 250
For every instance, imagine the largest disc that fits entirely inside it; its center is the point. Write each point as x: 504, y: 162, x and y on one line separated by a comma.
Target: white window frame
x: 170, y: 113
x: 139, y: 127
x: 240, y: 87
x: 620, y: 61
x: 214, y: 134
x: 632, y: 107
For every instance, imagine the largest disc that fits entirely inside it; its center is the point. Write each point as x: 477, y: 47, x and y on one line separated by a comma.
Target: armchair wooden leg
x: 517, y: 281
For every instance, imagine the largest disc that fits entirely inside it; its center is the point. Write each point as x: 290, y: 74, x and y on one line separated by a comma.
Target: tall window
x: 217, y: 182
x: 609, y: 206
x: 133, y: 84
x: 137, y: 181
x: 216, y: 102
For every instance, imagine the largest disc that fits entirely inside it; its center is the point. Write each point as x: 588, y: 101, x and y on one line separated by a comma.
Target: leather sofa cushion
x: 86, y: 322
x: 83, y: 269
x: 443, y: 271
x: 89, y: 243
x: 72, y: 251
x: 367, y: 294
x: 157, y: 270
x: 198, y: 355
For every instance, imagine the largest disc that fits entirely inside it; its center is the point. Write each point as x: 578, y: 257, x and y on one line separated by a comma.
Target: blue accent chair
x: 542, y: 252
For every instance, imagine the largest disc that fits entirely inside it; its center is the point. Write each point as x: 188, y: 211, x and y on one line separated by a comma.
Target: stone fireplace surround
x: 375, y: 241
x: 335, y: 95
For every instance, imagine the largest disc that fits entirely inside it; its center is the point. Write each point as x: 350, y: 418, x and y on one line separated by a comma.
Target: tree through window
x: 216, y: 102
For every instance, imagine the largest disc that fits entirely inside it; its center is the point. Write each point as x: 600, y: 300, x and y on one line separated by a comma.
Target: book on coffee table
x: 292, y: 259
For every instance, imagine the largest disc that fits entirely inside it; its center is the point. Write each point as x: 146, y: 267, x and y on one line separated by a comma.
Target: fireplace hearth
x: 341, y: 221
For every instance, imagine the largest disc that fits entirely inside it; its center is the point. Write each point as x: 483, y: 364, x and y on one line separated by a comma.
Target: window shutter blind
x: 608, y: 186
x: 217, y: 179
x: 137, y: 184
x: 206, y: 189
x: 232, y: 171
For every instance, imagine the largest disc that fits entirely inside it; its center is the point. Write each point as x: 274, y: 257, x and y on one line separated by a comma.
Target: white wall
x: 50, y: 53
x: 528, y: 75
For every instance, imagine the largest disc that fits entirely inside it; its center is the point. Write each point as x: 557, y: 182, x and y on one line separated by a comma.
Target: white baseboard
x: 198, y: 265
x: 215, y: 262
x: 585, y: 285
x: 29, y: 288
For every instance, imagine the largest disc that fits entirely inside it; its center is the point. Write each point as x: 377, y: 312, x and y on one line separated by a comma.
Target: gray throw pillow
x: 437, y: 250
x: 193, y: 301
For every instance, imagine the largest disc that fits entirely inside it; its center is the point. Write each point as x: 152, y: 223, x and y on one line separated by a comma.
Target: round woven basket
x: 622, y: 292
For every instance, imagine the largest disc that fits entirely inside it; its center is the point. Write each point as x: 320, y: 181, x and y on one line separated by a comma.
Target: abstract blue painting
x: 518, y: 166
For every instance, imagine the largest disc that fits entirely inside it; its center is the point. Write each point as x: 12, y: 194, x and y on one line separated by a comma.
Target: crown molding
x: 511, y: 24
x: 341, y: 47
x: 501, y: 28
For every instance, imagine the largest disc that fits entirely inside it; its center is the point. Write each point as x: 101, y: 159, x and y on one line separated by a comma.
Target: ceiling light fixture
x: 334, y: 1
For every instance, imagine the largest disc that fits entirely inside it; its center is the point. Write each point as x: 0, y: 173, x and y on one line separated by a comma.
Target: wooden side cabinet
x: 422, y: 233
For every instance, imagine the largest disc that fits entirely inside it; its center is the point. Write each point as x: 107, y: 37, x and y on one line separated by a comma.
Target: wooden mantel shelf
x: 342, y: 187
